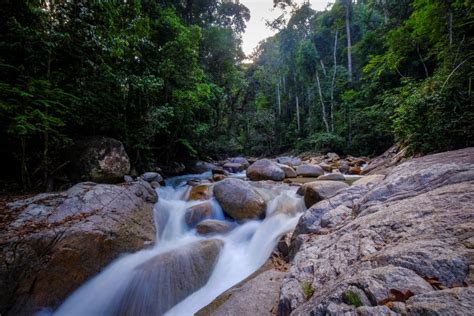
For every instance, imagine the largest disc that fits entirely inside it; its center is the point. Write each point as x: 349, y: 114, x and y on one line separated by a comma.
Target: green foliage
x: 158, y: 76
x: 351, y: 298
x: 323, y: 143
x: 307, y: 289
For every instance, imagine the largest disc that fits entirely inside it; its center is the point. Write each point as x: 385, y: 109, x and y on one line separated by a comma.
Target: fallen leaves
x: 396, y: 296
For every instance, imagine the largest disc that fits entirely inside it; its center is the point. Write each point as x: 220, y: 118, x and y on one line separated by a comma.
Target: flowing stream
x: 128, y: 287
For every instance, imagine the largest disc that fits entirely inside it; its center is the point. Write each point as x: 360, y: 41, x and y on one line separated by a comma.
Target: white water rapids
x: 246, y: 248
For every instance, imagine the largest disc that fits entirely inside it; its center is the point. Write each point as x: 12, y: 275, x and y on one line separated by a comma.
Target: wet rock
x: 188, y: 268
x: 198, y: 213
x: 218, y: 177
x: 213, y: 226
x: 57, y: 241
x: 265, y: 169
x: 219, y: 170
x: 240, y: 160
x: 152, y: 177
x: 309, y: 171
x: 289, y: 171
x: 127, y: 178
x: 199, y: 192
x: 404, y: 240
x: 200, y: 167
x: 316, y: 191
x: 155, y: 185
x: 236, y: 164
x: 100, y: 159
x: 289, y: 161
x: 256, y: 295
x: 234, y: 167
x: 333, y: 177
x: 239, y: 199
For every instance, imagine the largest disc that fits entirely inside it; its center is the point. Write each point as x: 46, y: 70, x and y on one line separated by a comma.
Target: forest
x: 169, y: 80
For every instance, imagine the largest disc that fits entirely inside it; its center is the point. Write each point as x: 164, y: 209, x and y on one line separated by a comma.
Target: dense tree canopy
x: 167, y: 78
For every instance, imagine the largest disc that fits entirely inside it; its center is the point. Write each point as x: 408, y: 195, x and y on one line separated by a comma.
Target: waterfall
x: 184, y: 271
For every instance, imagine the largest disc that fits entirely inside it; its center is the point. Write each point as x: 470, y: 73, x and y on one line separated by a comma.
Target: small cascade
x: 184, y: 271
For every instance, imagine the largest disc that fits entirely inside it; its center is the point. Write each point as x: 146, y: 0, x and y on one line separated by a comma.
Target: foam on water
x: 246, y: 248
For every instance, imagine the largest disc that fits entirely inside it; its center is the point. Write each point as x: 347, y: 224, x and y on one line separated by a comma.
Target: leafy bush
x: 327, y: 142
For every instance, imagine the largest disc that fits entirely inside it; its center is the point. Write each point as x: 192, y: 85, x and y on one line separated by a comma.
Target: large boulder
x: 100, y: 159
x: 309, y: 170
x: 186, y: 268
x: 265, y: 169
x: 316, y: 191
x: 55, y: 242
x: 239, y: 199
x: 256, y: 295
x: 394, y: 244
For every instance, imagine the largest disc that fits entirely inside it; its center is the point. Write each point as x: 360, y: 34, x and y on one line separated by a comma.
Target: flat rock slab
x: 256, y: 295
x: 399, y: 244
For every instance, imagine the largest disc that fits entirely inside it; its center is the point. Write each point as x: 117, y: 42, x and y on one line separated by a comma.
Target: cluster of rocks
x: 398, y: 243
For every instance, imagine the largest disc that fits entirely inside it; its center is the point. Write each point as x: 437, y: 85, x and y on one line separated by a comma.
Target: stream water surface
x: 116, y: 291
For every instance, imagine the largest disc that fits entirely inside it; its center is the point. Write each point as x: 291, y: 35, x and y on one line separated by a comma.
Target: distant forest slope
x: 166, y: 78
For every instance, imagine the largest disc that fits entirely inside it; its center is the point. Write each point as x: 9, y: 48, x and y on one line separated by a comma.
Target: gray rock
x: 457, y: 301
x: 99, y: 159
x: 239, y: 199
x: 412, y: 226
x: 289, y: 161
x: 127, y: 178
x: 265, y: 169
x: 213, y: 226
x: 309, y: 171
x: 201, y: 167
x: 320, y: 190
x: 289, y: 171
x: 234, y: 167
x: 198, y: 213
x: 152, y: 176
x: 256, y: 295
x: 332, y: 156
x: 57, y: 241
x: 188, y: 268
x: 240, y: 160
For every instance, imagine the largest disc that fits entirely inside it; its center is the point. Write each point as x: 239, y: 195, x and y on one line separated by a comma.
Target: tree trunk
x: 298, y: 113
x: 333, y: 81
x: 322, y: 66
x: 323, y: 107
x: 349, y: 42
x: 422, y: 61
x: 278, y: 97
x: 450, y: 25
